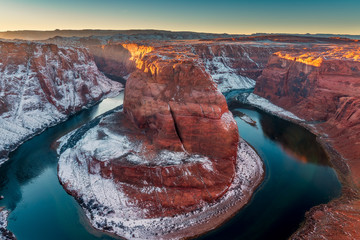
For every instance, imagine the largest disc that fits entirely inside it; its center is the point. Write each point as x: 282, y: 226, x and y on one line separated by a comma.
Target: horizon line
x: 153, y: 29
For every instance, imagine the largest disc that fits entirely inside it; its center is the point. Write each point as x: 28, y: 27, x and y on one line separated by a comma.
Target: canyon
x: 178, y: 160
x: 316, y: 79
x: 322, y: 86
x: 43, y: 84
x: 172, y: 156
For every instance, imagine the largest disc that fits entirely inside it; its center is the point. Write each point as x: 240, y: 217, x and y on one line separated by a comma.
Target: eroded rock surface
x: 231, y: 64
x: 141, y: 193
x: 181, y: 110
x: 322, y: 86
x: 42, y: 84
x: 171, y: 164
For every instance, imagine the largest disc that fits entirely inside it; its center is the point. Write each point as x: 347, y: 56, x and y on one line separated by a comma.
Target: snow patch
x: 267, y: 106
x: 26, y: 109
x: 224, y: 75
x: 107, y: 206
x: 228, y: 119
x: 4, y: 233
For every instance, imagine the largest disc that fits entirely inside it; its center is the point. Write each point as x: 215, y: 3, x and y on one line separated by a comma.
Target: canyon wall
x: 175, y: 102
x: 322, y: 86
x: 170, y: 164
x: 41, y: 84
x: 187, y: 139
x: 232, y: 65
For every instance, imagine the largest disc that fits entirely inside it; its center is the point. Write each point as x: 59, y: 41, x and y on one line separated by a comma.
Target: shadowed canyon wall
x: 42, y: 84
x: 322, y: 85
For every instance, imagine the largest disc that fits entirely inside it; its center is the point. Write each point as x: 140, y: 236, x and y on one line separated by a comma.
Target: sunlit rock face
x: 118, y: 60
x: 302, y: 79
x: 174, y: 101
x: 41, y: 84
x: 232, y: 65
x: 180, y: 109
x: 172, y: 157
x: 179, y: 105
x: 322, y: 85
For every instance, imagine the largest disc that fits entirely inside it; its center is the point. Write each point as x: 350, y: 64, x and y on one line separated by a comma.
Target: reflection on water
x: 40, y: 207
x: 42, y: 210
x: 297, y: 142
x: 298, y: 177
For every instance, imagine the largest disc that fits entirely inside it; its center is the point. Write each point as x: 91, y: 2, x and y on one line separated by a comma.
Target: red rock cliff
x: 180, y: 106
x: 322, y: 85
x: 232, y: 65
x: 41, y: 84
x: 319, y: 86
x: 173, y: 104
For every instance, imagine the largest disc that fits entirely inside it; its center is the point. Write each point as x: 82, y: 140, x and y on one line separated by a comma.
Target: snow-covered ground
x: 39, y: 91
x: 224, y: 75
x: 262, y: 103
x: 4, y: 233
x: 267, y: 106
x: 108, y: 208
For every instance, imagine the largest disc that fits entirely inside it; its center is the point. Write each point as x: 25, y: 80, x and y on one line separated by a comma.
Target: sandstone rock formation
x: 181, y: 110
x: 172, y: 154
x: 322, y: 85
x: 42, y: 84
x: 232, y: 65
x: 317, y: 82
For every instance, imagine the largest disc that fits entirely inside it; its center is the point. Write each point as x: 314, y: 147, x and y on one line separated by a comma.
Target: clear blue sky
x: 230, y: 16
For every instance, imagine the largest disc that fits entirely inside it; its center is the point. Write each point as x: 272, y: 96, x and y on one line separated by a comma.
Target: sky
x: 217, y: 16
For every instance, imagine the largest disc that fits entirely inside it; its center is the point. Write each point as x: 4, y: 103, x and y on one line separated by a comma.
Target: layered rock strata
x: 171, y: 165
x: 170, y: 195
x: 42, y: 84
x: 231, y: 64
x: 322, y: 86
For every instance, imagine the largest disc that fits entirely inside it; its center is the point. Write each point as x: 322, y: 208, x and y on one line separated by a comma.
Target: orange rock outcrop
x: 322, y: 86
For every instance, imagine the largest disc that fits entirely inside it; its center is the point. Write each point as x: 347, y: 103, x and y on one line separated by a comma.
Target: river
x: 298, y: 177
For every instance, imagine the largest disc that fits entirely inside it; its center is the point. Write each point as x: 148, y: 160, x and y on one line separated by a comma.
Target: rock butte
x: 314, y: 78
x: 173, y: 104
x: 178, y: 106
x: 318, y: 80
x: 183, y: 154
